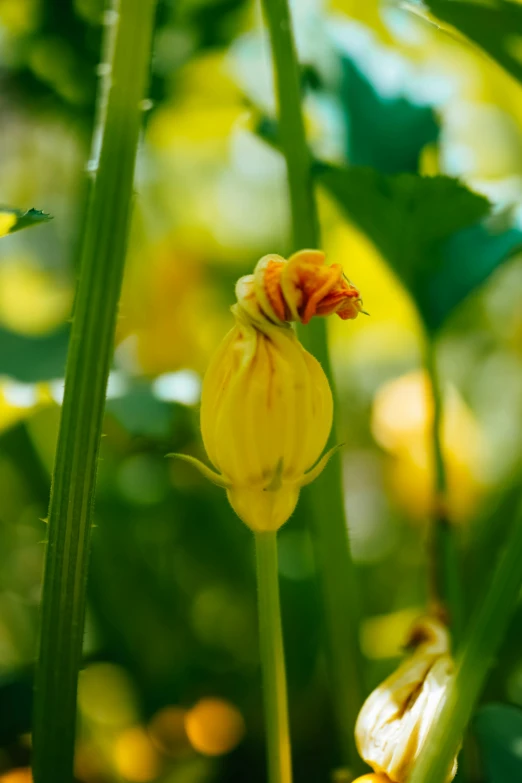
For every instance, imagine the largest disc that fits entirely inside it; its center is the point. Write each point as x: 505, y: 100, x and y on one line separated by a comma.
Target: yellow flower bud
x: 395, y: 718
x: 266, y: 413
x: 266, y: 405
x: 373, y: 778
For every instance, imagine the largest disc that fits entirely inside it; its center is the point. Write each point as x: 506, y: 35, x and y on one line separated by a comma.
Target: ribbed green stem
x: 480, y: 645
x: 446, y: 585
x: 273, y: 660
x: 128, y: 43
x: 324, y: 497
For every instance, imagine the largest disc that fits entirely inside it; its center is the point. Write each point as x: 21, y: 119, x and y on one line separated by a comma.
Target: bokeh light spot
x: 183, y: 386
x: 214, y: 727
x: 21, y: 775
x: 135, y: 756
x: 167, y: 732
x: 106, y: 695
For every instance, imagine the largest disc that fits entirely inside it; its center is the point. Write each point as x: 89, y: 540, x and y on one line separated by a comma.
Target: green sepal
x: 211, y: 475
x: 319, y: 467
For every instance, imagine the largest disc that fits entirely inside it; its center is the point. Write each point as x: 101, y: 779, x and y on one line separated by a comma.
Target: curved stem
x: 273, y: 660
x: 324, y: 498
x: 446, y: 586
x: 128, y: 42
x: 477, y: 655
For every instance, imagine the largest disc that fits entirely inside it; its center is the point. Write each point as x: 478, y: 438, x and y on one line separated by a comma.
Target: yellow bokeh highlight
x: 21, y: 775
x: 32, y: 301
x: 393, y: 327
x: 106, y: 695
x: 169, y: 311
x: 135, y: 757
x: 402, y: 417
x: 373, y: 777
x: 7, y: 221
x: 167, y: 732
x: 214, y: 727
x: 207, y: 105
x: 19, y: 16
x: 19, y: 401
x: 383, y: 636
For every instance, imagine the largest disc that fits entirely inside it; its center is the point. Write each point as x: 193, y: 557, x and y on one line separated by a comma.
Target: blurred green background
x: 171, y: 687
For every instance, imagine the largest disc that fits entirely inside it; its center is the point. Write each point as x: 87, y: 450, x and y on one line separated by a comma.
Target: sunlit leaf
x: 15, y: 219
x: 494, y: 25
x: 499, y: 731
x: 434, y: 232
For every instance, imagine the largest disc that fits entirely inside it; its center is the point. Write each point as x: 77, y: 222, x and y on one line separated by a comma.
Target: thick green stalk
x: 325, y: 496
x: 446, y: 587
x: 480, y: 645
x: 273, y: 660
x: 128, y: 43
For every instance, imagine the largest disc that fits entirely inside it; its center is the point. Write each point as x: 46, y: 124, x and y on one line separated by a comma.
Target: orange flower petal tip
x: 298, y: 288
x: 318, y: 289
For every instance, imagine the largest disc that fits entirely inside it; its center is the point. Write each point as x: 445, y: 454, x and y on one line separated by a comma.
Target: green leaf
x: 386, y: 133
x: 493, y: 25
x: 499, y: 731
x: 12, y: 220
x: 433, y: 231
x: 141, y: 413
x: 31, y: 359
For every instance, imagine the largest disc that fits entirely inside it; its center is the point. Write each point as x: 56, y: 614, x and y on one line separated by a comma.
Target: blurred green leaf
x: 499, y: 731
x: 141, y: 413
x: 386, y: 133
x: 12, y: 220
x: 32, y: 359
x: 493, y: 25
x: 433, y: 231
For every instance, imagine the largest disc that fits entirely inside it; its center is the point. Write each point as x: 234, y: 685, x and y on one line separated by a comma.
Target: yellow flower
x: 396, y: 717
x: 266, y: 407
x: 266, y: 413
x: 402, y: 418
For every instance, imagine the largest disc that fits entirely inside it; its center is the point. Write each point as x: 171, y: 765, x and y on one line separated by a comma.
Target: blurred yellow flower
x: 401, y: 421
x: 32, y: 301
x: 207, y: 105
x: 168, y: 313
x: 395, y: 719
x: 373, y: 778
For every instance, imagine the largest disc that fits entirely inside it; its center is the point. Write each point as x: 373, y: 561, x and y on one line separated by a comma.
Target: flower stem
x: 446, y: 586
x: 324, y: 497
x: 127, y: 43
x: 273, y: 660
x: 479, y: 647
